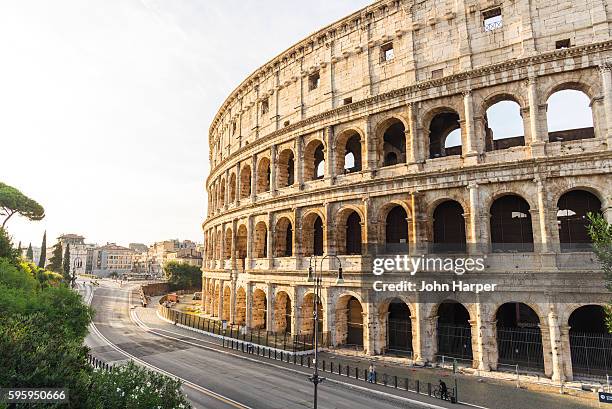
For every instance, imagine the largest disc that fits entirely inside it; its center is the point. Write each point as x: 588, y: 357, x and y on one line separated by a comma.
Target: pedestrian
x: 443, y: 390
x: 371, y: 373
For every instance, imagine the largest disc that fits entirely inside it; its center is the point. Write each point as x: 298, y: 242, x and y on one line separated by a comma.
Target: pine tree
x: 30, y: 253
x: 66, y: 264
x: 55, y: 262
x: 43, y: 251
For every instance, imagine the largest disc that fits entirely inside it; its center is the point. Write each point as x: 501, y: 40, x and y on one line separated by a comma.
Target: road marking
x: 195, y: 386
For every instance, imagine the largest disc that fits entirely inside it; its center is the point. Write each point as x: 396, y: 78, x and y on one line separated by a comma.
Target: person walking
x: 371, y: 373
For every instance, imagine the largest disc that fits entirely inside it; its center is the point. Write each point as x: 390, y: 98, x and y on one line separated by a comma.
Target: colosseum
x: 469, y: 128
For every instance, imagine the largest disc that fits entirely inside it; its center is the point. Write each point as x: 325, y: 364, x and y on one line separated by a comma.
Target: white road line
x: 197, y: 387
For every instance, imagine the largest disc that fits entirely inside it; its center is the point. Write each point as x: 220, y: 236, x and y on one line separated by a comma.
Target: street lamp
x: 318, y: 280
x: 77, y: 263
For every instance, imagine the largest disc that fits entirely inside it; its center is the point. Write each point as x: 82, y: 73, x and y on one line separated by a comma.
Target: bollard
x: 395, y: 381
x: 323, y: 365
x: 308, y: 361
x: 385, y: 379
x: 339, y: 369
x: 365, y: 374
x: 417, y: 385
x: 406, y: 384
x: 270, y: 353
x: 294, y: 359
x: 348, y: 370
x: 301, y: 360
x: 356, y: 373
x: 331, y: 367
x: 429, y: 388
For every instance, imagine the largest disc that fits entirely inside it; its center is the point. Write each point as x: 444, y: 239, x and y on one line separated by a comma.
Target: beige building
x: 112, y: 258
x: 189, y: 256
x: 159, y: 252
x: 380, y: 135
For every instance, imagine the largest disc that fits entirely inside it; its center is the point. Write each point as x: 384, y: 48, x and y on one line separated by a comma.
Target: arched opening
x: 260, y: 244
x: 259, y: 309
x: 454, y: 330
x: 511, y: 225
x: 222, y: 187
x: 282, y: 313
x: 227, y: 303
x: 519, y: 338
x: 503, y: 126
x: 312, y: 232
x: 227, y: 252
x: 286, y: 168
x: 394, y: 144
x: 396, y: 231
x: 263, y: 175
x: 307, y: 316
x: 349, y: 153
x: 215, y: 303
x: 242, y: 244
x: 314, y: 161
x: 245, y: 182
x: 590, y: 341
x: 232, y: 187
x: 284, y: 238
x: 449, y: 228
x: 240, y: 317
x: 569, y: 116
x: 353, y: 234
x: 399, y: 327
x: 445, y: 135
x: 349, y: 322
x: 572, y: 210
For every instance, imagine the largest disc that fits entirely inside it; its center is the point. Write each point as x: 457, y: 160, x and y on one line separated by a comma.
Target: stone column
x: 470, y: 144
x: 295, y: 311
x: 270, y: 308
x: 238, y: 187
x: 226, y: 189
x: 330, y: 155
x: 220, y: 305
x: 248, y: 305
x: 556, y: 370
x: 412, y: 141
x: 471, y: 220
x: 204, y: 293
x: 249, y: 243
x: 254, y: 178
x: 538, y: 139
x: 369, y: 142
x: 273, y: 166
x: 329, y: 246
x: 606, y: 78
x: 479, y: 342
x: 417, y: 223
x: 371, y: 324
x: 299, y: 162
x: 232, y: 317
x: 544, y: 234
x: 424, y: 334
x: 566, y: 353
x: 222, y: 245
x: 270, y: 240
x: 234, y: 246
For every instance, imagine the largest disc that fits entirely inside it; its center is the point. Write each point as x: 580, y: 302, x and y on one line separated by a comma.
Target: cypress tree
x: 30, y: 253
x: 66, y: 264
x: 55, y: 262
x: 43, y: 251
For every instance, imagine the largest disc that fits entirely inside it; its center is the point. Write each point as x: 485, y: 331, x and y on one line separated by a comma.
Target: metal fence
x: 591, y: 353
x: 97, y: 363
x: 278, y: 340
x: 522, y: 346
x: 455, y: 341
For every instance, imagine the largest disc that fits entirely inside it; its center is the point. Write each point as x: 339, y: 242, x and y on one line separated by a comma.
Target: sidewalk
x: 489, y: 393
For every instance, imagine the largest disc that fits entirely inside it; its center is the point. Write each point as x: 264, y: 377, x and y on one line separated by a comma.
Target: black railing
x: 97, y: 363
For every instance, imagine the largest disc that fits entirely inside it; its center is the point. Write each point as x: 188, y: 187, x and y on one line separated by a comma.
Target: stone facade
x: 388, y: 84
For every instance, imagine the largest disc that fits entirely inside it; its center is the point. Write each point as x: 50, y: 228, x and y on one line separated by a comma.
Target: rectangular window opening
x: 439, y: 73
x: 386, y: 52
x: 561, y: 44
x: 265, y: 107
x: 313, y: 81
x: 492, y: 19
x: 348, y: 100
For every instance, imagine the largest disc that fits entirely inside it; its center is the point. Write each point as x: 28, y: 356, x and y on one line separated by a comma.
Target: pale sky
x: 105, y: 105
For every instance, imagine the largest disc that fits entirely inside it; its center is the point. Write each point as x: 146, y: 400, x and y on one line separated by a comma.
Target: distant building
x: 35, y: 254
x: 190, y: 256
x: 112, y: 258
x: 78, y: 251
x: 139, y: 247
x: 159, y: 251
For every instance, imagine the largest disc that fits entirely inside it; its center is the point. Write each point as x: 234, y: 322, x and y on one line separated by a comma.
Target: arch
x: 348, y: 152
x: 215, y: 303
x: 284, y: 238
x: 396, y: 230
x: 245, y: 182
x: 240, y: 317
x: 314, y: 160
x: 260, y: 243
x: 449, y: 228
x: 286, y: 168
x: 392, y: 133
x: 222, y: 188
x: 263, y: 175
x: 442, y: 140
x: 399, y: 326
x: 227, y: 303
x: 590, y: 341
x: 510, y: 224
x: 519, y: 337
x: 569, y: 115
x: 307, y: 316
x: 312, y: 234
x: 241, y: 243
x: 454, y: 331
x: 227, y: 250
x: 259, y: 309
x: 572, y: 210
x: 349, y: 321
x: 282, y: 312
x: 232, y: 188
x: 503, y: 123
x: 349, y: 231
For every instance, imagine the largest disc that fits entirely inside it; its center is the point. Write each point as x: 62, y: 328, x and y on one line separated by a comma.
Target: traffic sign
x: 605, y: 397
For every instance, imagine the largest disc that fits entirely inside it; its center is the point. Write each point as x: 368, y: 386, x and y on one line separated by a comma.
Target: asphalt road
x: 214, y: 379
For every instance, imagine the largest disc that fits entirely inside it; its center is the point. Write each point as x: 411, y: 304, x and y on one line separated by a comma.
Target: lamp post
x: 77, y: 263
x: 318, y: 280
